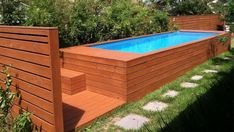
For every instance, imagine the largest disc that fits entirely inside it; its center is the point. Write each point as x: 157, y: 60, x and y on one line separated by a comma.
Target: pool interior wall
x: 154, y: 42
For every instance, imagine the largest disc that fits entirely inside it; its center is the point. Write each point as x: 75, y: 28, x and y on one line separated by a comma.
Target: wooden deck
x: 84, y: 107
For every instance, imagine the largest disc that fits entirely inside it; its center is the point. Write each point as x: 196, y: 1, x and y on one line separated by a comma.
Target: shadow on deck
x: 84, y: 107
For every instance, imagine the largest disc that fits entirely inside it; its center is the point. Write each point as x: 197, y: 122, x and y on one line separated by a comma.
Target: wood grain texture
x: 196, y: 22
x: 32, y: 56
x: 86, y: 108
x: 134, y: 76
x: 72, y: 82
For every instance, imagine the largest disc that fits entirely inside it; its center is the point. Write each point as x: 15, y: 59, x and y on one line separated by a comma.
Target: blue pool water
x: 154, y: 42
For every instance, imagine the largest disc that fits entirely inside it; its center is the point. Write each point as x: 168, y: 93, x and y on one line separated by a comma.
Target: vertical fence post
x: 56, y: 79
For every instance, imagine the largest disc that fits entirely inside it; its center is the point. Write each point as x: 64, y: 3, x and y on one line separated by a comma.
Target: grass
x: 232, y: 46
x: 205, y: 108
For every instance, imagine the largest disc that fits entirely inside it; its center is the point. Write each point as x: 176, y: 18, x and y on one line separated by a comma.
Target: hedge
x: 88, y: 21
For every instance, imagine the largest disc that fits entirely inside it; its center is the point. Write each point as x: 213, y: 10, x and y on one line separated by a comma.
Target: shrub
x: 22, y: 123
x: 190, y: 7
x: 229, y: 17
x: 12, y: 12
x: 232, y: 28
x: 87, y: 21
x: 93, y: 21
x: 180, y: 7
x: 49, y: 13
x: 6, y: 97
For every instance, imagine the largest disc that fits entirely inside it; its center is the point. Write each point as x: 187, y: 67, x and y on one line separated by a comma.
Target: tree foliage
x: 49, y: 13
x: 93, y: 21
x: 229, y: 16
x: 181, y: 7
x: 190, y: 7
x: 12, y: 12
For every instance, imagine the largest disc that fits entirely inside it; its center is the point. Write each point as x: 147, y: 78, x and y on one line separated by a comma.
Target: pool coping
x: 86, y: 50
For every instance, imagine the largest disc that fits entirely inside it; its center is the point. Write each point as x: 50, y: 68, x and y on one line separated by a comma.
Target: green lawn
x: 205, y: 108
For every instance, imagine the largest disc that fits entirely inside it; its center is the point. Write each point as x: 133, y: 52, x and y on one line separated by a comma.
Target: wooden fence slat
x: 25, y: 45
x: 197, y: 22
x: 24, y: 30
x: 24, y: 37
x: 32, y: 78
x: 41, y: 124
x: 34, y: 56
x: 26, y: 56
x: 48, y: 117
x: 39, y: 102
x: 35, y: 90
x: 29, y: 67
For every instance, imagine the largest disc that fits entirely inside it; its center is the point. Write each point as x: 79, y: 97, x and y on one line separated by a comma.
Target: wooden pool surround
x: 130, y: 76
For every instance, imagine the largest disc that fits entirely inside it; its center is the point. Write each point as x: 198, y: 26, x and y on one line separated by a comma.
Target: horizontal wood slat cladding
x: 221, y: 47
x: 136, y: 83
x: 32, y: 56
x: 140, y: 93
x: 158, y: 63
x: 196, y: 22
x: 132, y: 78
x: 35, y: 47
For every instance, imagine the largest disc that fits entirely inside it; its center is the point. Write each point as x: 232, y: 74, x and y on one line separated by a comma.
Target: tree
x: 99, y: 20
x: 189, y: 7
x: 229, y: 17
x: 50, y: 13
x: 12, y: 12
x: 180, y: 7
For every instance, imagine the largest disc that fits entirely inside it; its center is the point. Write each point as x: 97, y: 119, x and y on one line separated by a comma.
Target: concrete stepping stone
x: 226, y: 58
x: 170, y: 93
x: 155, y: 106
x: 188, y: 85
x: 196, y: 77
x: 210, y: 71
x: 216, y: 66
x: 132, y: 122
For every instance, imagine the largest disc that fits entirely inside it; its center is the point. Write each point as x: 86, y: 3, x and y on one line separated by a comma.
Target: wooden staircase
x: 81, y: 106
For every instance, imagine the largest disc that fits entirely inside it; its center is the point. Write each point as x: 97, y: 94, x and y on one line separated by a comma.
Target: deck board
x: 84, y: 107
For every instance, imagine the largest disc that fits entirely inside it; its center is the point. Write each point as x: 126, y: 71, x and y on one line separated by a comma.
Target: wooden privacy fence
x: 33, y: 54
x: 197, y: 22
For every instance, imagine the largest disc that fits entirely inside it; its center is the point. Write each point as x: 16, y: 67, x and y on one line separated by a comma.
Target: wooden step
x: 72, y: 81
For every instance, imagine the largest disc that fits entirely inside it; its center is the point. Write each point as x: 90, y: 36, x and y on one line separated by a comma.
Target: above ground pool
x: 154, y: 42
x: 130, y: 68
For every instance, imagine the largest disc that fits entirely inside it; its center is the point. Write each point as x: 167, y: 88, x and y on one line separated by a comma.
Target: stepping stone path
x: 216, y: 66
x: 188, y: 85
x: 210, y: 71
x: 196, y: 77
x: 226, y: 58
x: 170, y: 93
x: 155, y: 106
x: 132, y: 122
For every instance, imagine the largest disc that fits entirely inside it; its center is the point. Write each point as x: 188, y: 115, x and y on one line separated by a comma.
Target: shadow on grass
x: 219, y: 61
x: 211, y: 112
